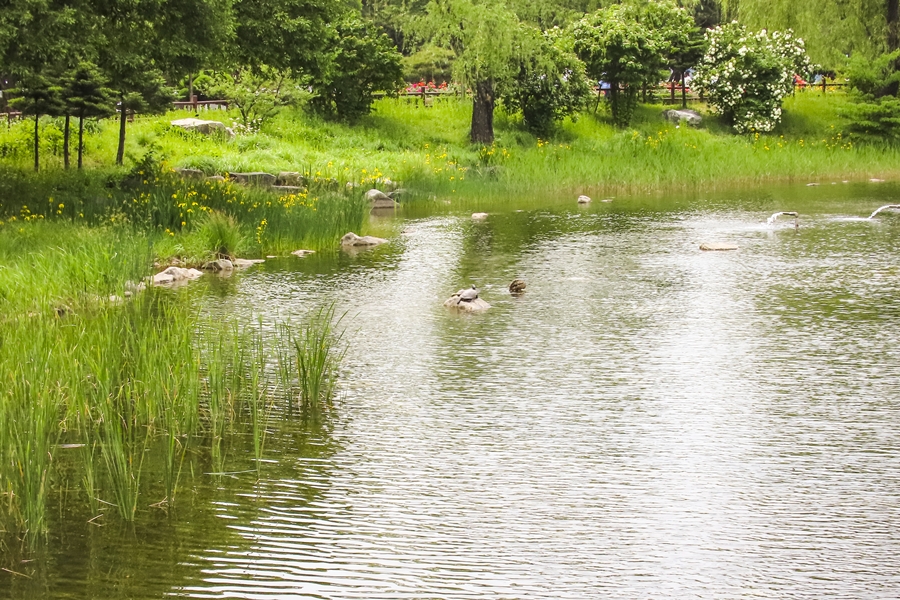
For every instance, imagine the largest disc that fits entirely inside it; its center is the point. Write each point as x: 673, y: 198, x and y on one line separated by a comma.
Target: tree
x: 550, y: 85
x: 360, y: 60
x: 146, y: 92
x: 85, y: 96
x: 619, y: 51
x: 257, y: 94
x: 36, y: 95
x: 832, y: 29
x: 489, y: 43
x: 287, y: 35
x: 628, y: 45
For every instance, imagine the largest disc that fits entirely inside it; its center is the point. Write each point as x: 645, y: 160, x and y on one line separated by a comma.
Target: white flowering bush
x: 745, y: 75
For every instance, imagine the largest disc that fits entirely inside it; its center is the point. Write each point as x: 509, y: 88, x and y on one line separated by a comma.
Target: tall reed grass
x: 139, y: 388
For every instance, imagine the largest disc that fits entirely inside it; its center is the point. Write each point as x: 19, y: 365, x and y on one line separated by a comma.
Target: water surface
x: 646, y: 421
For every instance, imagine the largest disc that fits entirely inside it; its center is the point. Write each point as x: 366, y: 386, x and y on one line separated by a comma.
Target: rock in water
x: 714, y: 246
x: 479, y: 216
x: 476, y: 305
x: 223, y: 264
x: 584, y: 199
x: 517, y: 287
x: 174, y: 275
x: 351, y: 240
x: 243, y: 263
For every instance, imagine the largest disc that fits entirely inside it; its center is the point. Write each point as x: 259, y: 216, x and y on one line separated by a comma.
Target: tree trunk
x: 120, y: 154
x: 80, y: 141
x: 66, y: 143
x: 37, y: 164
x: 483, y: 113
x: 893, y: 40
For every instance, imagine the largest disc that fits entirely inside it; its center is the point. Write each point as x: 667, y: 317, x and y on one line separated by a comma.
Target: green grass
x: 427, y: 148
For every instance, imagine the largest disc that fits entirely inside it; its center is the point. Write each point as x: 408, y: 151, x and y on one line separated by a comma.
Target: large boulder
x: 255, y: 178
x: 351, y: 240
x: 201, y: 126
x: 676, y: 116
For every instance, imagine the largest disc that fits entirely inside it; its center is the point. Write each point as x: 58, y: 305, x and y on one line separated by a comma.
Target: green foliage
x: 551, y: 84
x: 746, y: 75
x: 285, y: 35
x: 832, y: 31
x: 430, y: 63
x: 258, y: 95
x: 85, y: 94
x: 359, y: 62
x: 37, y: 95
x: 875, y: 112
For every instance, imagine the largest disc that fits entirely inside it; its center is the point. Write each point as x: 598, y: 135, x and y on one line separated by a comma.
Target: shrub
x: 363, y: 60
x: 746, y: 75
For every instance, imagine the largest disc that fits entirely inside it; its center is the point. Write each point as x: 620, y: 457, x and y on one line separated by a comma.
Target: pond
x: 646, y: 421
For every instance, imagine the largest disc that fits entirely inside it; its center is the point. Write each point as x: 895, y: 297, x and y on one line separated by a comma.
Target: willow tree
x: 832, y: 29
x: 488, y: 41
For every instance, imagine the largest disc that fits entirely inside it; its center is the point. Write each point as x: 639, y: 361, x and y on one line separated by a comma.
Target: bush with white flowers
x: 746, y: 75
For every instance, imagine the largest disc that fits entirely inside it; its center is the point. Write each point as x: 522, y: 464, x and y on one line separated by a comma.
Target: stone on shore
x: 288, y: 178
x: 584, y: 199
x: 190, y: 173
x: 201, y: 126
x: 254, y: 178
x: 677, y: 116
x: 302, y: 253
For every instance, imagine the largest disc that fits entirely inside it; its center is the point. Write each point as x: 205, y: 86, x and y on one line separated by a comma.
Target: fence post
x: 824, y: 79
x: 671, y: 91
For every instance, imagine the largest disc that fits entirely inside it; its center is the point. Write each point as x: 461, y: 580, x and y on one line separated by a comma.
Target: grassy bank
x: 108, y: 409
x: 427, y: 148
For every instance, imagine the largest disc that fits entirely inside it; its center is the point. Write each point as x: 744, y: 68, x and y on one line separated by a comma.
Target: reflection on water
x: 646, y: 421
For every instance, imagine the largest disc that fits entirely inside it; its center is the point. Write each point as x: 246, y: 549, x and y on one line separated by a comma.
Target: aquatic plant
x: 220, y: 233
x: 318, y: 355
